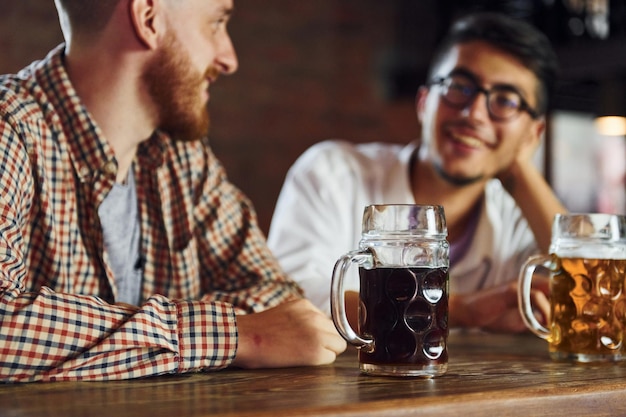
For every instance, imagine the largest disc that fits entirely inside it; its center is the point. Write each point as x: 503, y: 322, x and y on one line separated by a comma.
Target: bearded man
x: 124, y: 250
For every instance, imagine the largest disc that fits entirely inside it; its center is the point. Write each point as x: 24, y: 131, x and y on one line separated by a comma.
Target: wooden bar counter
x: 488, y: 375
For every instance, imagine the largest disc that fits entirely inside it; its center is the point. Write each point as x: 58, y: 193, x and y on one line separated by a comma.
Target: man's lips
x: 470, y: 141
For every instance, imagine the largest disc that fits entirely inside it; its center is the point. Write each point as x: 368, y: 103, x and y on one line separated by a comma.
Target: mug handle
x: 364, y: 259
x: 523, y: 293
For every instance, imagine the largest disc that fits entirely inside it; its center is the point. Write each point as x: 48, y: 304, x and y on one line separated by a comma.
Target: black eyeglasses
x: 503, y: 102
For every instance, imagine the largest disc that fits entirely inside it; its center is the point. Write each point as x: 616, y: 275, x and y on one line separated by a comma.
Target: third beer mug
x: 587, y: 265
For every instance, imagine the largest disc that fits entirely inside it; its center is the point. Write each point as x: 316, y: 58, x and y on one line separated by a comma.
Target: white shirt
x: 319, y: 211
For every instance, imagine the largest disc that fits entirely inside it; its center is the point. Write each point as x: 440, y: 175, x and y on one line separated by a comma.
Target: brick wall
x: 28, y: 29
x: 309, y: 71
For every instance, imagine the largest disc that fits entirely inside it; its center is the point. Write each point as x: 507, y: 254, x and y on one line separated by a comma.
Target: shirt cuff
x: 207, y: 334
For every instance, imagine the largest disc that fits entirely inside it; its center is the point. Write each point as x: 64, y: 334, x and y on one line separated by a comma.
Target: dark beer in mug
x: 405, y: 311
x: 403, y: 261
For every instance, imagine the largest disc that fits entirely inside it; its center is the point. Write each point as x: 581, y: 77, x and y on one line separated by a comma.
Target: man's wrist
x: 457, y: 311
x: 512, y: 179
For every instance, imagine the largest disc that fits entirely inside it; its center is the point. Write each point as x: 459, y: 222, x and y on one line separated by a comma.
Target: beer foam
x: 590, y: 250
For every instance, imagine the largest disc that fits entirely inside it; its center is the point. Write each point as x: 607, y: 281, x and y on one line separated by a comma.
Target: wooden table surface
x: 488, y: 375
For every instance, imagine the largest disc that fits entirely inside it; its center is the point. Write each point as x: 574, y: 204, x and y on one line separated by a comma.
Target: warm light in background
x: 611, y: 125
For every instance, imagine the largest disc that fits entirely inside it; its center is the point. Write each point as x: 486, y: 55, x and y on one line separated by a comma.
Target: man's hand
x: 291, y: 334
x: 532, y: 193
x: 511, y: 174
x: 495, y: 309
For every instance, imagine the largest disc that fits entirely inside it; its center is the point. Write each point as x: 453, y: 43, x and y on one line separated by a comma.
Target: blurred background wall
x: 314, y: 70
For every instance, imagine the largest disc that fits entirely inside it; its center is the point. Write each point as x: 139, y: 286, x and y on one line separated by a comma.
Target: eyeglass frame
x: 523, y: 104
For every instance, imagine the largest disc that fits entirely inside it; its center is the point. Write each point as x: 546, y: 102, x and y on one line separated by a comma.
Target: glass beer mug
x: 587, y: 266
x: 403, y: 265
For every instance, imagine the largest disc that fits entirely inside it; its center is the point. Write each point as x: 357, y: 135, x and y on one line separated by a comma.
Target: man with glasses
x: 482, y: 116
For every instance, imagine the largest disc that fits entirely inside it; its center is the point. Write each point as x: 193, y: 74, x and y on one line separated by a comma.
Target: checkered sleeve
x: 55, y: 337
x: 233, y: 249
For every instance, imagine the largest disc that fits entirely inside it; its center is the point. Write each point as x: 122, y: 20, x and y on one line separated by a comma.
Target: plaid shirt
x: 204, y: 257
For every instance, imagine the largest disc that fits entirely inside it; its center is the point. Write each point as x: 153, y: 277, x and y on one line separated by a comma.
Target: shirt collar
x: 151, y: 153
x: 88, y: 149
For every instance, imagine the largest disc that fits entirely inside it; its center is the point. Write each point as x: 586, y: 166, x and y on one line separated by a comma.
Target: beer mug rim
x: 589, y: 235
x: 592, y: 226
x: 404, y: 220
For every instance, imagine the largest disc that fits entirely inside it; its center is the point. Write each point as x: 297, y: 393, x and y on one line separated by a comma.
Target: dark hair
x: 514, y: 36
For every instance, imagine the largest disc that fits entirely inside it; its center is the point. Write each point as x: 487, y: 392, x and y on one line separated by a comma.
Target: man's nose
x: 478, y: 105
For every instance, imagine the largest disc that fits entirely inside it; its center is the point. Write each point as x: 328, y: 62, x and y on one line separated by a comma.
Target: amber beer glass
x: 403, y: 297
x: 587, y: 268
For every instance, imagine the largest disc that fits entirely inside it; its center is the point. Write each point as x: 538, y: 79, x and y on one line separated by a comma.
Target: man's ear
x: 538, y: 130
x: 145, y: 17
x: 420, y: 101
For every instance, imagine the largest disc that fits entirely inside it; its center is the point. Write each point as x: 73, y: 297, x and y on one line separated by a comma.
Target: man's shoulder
x: 336, y: 153
x: 30, y: 93
x: 19, y: 96
x: 12, y: 88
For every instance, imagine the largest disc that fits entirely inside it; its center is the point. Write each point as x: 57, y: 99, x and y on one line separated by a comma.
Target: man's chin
x: 188, y: 132
x: 457, y: 180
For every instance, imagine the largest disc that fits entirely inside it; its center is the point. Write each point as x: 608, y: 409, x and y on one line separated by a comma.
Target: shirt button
x: 83, y: 171
x: 110, y: 168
